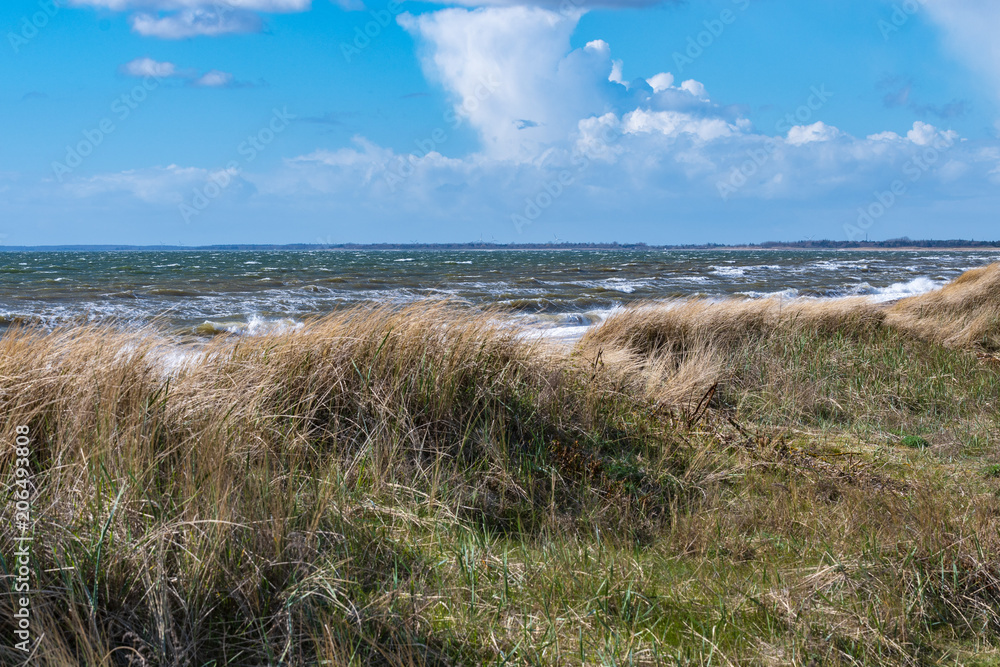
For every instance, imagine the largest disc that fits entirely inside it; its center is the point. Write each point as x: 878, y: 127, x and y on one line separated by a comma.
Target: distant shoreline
x: 897, y: 245
x: 991, y: 248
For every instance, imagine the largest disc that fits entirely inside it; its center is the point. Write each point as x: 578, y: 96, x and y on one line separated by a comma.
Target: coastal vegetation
x: 746, y: 482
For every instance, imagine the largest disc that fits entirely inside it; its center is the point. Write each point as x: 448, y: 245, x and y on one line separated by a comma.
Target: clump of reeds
x: 692, y: 324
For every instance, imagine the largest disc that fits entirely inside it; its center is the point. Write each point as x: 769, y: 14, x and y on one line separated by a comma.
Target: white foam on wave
x: 917, y: 286
x: 253, y: 326
x: 623, y: 285
x: 729, y: 271
x: 790, y: 293
x: 841, y: 264
x: 567, y: 328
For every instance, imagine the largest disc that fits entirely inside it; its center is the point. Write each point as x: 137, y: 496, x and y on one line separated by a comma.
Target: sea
x: 556, y: 293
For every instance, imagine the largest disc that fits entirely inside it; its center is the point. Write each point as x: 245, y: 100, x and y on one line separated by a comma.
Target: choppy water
x: 560, y: 291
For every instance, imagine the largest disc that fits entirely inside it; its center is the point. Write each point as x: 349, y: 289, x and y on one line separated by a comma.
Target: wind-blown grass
x: 704, y: 484
x: 966, y: 313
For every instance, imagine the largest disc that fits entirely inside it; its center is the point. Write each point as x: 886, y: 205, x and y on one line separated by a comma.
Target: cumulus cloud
x: 925, y: 134
x: 214, y: 79
x: 553, y: 108
x: 696, y: 88
x: 143, y: 67
x: 271, y: 6
x: 504, y: 64
x: 565, y: 5
x: 512, y: 74
x: 807, y: 134
x: 672, y: 123
x: 181, y: 19
x: 884, y: 136
x: 661, y: 81
x: 195, y: 23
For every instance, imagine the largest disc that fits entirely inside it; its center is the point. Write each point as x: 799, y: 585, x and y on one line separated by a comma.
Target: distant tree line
x: 768, y: 245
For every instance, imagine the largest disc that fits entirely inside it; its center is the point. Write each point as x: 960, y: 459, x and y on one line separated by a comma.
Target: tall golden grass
x: 965, y: 313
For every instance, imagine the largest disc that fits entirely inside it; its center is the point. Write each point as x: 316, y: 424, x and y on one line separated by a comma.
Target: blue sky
x: 274, y: 121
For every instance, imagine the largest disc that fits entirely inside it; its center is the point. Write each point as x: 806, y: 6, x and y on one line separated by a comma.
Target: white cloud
x: 597, y: 138
x: 922, y: 134
x: 885, y: 136
x: 143, y: 67
x: 157, y: 185
x: 271, y: 6
x: 562, y: 5
x: 505, y: 65
x: 598, y: 46
x: 673, y: 123
x: 925, y: 134
x: 195, y: 23
x: 214, y: 79
x: 807, y: 134
x: 661, y: 81
x: 617, y: 68
x: 148, y: 67
x: 181, y: 19
x: 970, y: 28
x: 696, y: 88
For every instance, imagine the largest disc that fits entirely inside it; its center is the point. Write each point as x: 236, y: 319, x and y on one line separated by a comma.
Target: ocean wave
x: 729, y: 271
x: 253, y: 326
x: 623, y: 285
x: 917, y: 286
x: 790, y: 293
x: 565, y: 328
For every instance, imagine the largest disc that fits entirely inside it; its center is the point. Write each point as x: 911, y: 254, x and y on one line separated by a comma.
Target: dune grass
x: 716, y: 484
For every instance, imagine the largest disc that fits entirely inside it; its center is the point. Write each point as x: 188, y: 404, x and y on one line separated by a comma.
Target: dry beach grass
x: 746, y: 482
